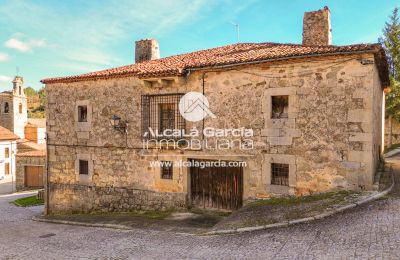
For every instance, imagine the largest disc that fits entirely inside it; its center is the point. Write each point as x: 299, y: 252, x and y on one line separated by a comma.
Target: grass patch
x: 388, y: 149
x: 28, y: 201
x: 292, y: 200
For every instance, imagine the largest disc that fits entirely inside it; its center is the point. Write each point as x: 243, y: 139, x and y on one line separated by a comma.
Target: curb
x: 67, y: 222
x: 309, y: 219
x: 391, y: 153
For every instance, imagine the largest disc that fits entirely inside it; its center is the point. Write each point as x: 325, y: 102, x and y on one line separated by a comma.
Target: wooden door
x: 34, y: 176
x: 217, y: 187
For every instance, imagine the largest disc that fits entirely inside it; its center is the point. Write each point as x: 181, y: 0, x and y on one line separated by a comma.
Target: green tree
x: 391, y: 43
x: 29, y: 91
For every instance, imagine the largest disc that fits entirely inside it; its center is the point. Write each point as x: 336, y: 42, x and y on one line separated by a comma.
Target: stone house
x: 29, y: 165
x: 8, y: 150
x: 314, y: 110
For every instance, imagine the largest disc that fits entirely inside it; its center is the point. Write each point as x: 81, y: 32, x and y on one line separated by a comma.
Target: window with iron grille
x: 280, y: 106
x: 82, y: 113
x: 166, y: 169
x: 280, y: 174
x: 161, y: 112
x: 6, y: 168
x: 83, y: 167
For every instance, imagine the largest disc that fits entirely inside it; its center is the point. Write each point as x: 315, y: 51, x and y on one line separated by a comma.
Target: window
x: 280, y: 105
x: 82, y: 113
x: 7, y: 152
x: 6, y: 107
x: 167, y: 116
x: 6, y: 168
x: 20, y: 108
x: 83, y: 167
x: 280, y: 174
x: 160, y: 112
x: 166, y: 169
x: 20, y: 90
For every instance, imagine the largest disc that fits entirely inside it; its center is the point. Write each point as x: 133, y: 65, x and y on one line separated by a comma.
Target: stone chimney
x: 146, y: 49
x: 317, y: 27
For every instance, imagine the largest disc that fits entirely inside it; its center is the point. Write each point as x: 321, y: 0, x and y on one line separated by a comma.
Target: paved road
x: 370, y: 231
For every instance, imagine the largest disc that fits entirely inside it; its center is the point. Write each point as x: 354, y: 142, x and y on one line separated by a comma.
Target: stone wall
x: 73, y: 198
x: 395, y: 131
x: 23, y: 161
x: 317, y: 27
x: 328, y: 138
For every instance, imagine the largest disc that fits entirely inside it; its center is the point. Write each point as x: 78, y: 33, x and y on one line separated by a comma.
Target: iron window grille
x: 161, y: 112
x: 280, y: 174
x: 82, y: 113
x: 280, y: 106
x: 83, y: 167
x: 166, y: 169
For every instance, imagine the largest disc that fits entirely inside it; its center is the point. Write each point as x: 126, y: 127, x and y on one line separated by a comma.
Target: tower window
x: 20, y: 108
x: 20, y: 90
x: 6, y: 107
x: 82, y: 113
x: 7, y: 152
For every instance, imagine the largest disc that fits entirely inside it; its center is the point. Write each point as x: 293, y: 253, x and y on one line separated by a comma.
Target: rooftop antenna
x: 237, y: 30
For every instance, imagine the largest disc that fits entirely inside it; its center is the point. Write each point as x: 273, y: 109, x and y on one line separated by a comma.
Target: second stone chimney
x: 317, y: 27
x: 146, y: 49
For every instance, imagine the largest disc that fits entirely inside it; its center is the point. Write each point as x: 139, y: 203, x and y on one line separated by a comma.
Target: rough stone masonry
x: 331, y: 138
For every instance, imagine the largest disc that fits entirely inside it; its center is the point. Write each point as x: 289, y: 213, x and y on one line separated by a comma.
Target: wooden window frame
x: 7, y: 168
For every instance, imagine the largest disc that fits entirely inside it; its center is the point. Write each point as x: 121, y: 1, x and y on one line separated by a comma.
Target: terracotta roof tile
x: 35, y: 153
x: 226, y: 55
x: 6, y: 134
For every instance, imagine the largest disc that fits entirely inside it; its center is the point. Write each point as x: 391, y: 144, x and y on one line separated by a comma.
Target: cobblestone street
x: 370, y: 231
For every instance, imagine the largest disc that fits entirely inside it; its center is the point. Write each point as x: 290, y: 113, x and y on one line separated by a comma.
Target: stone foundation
x: 74, y: 198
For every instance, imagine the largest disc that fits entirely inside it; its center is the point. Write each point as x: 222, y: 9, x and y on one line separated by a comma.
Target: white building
x: 8, y: 151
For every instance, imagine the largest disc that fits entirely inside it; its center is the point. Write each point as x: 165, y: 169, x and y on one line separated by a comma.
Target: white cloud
x: 5, y: 78
x: 4, y: 57
x: 26, y: 46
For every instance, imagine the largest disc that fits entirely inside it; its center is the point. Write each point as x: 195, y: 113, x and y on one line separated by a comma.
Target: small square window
x: 280, y: 106
x: 166, y: 169
x: 6, y: 168
x: 280, y: 174
x: 82, y: 113
x: 7, y: 152
x: 83, y: 167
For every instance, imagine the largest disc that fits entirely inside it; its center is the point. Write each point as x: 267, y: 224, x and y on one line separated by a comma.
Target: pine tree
x: 391, y: 43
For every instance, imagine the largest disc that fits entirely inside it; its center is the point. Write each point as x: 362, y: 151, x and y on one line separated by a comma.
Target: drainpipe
x: 47, y: 188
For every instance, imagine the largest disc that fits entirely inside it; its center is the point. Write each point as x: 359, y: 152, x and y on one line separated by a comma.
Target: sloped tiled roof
x: 6, y: 134
x: 228, y: 55
x: 35, y: 153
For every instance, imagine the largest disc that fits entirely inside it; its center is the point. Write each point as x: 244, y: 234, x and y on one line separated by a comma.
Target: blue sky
x: 47, y: 38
